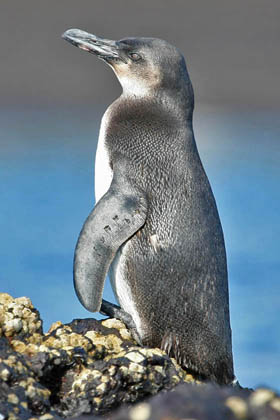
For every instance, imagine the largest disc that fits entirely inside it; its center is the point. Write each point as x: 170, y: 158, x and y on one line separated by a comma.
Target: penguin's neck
x: 162, y: 113
x: 179, y: 103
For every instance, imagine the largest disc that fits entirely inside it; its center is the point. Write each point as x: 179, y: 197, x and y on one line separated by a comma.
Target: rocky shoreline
x: 90, y: 368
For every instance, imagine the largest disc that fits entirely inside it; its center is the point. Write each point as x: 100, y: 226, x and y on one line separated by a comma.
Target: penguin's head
x: 141, y: 64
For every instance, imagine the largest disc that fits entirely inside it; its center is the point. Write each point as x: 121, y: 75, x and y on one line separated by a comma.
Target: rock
x: 91, y: 368
x: 208, y: 402
x: 20, y: 392
x: 87, y: 366
x: 19, y: 319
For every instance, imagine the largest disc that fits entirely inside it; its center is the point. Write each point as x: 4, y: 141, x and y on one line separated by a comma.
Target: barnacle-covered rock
x: 86, y: 366
x: 112, y: 370
x: 93, y: 367
x: 126, y: 377
x: 19, y: 319
x: 20, y: 391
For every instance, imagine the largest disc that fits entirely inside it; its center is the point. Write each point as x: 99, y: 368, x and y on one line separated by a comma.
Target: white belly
x: 121, y: 287
x: 103, y: 174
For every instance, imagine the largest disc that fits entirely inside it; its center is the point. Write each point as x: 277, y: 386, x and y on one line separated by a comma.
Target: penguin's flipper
x: 116, y: 217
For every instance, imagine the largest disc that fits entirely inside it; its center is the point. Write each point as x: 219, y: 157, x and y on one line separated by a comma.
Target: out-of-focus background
x: 52, y: 99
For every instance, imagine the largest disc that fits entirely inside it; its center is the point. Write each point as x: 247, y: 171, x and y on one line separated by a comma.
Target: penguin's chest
x: 103, y: 173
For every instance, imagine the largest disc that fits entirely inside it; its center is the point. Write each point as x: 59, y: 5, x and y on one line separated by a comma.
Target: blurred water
x: 47, y: 192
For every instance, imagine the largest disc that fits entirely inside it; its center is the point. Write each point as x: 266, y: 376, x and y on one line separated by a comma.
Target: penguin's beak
x: 103, y: 48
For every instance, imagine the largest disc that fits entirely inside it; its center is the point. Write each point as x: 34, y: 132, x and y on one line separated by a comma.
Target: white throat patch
x: 133, y: 85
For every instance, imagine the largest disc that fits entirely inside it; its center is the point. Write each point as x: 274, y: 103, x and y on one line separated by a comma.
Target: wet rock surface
x: 89, y: 368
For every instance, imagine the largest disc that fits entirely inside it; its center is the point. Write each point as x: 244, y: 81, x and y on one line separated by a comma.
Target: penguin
x: 155, y: 228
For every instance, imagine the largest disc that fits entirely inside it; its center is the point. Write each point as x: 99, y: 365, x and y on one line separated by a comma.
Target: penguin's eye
x: 135, y: 56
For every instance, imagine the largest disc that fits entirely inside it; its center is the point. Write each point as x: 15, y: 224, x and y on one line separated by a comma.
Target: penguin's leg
x: 116, y: 217
x: 115, y: 311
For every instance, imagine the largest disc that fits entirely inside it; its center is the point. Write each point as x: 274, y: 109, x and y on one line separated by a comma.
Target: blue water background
x: 47, y: 190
